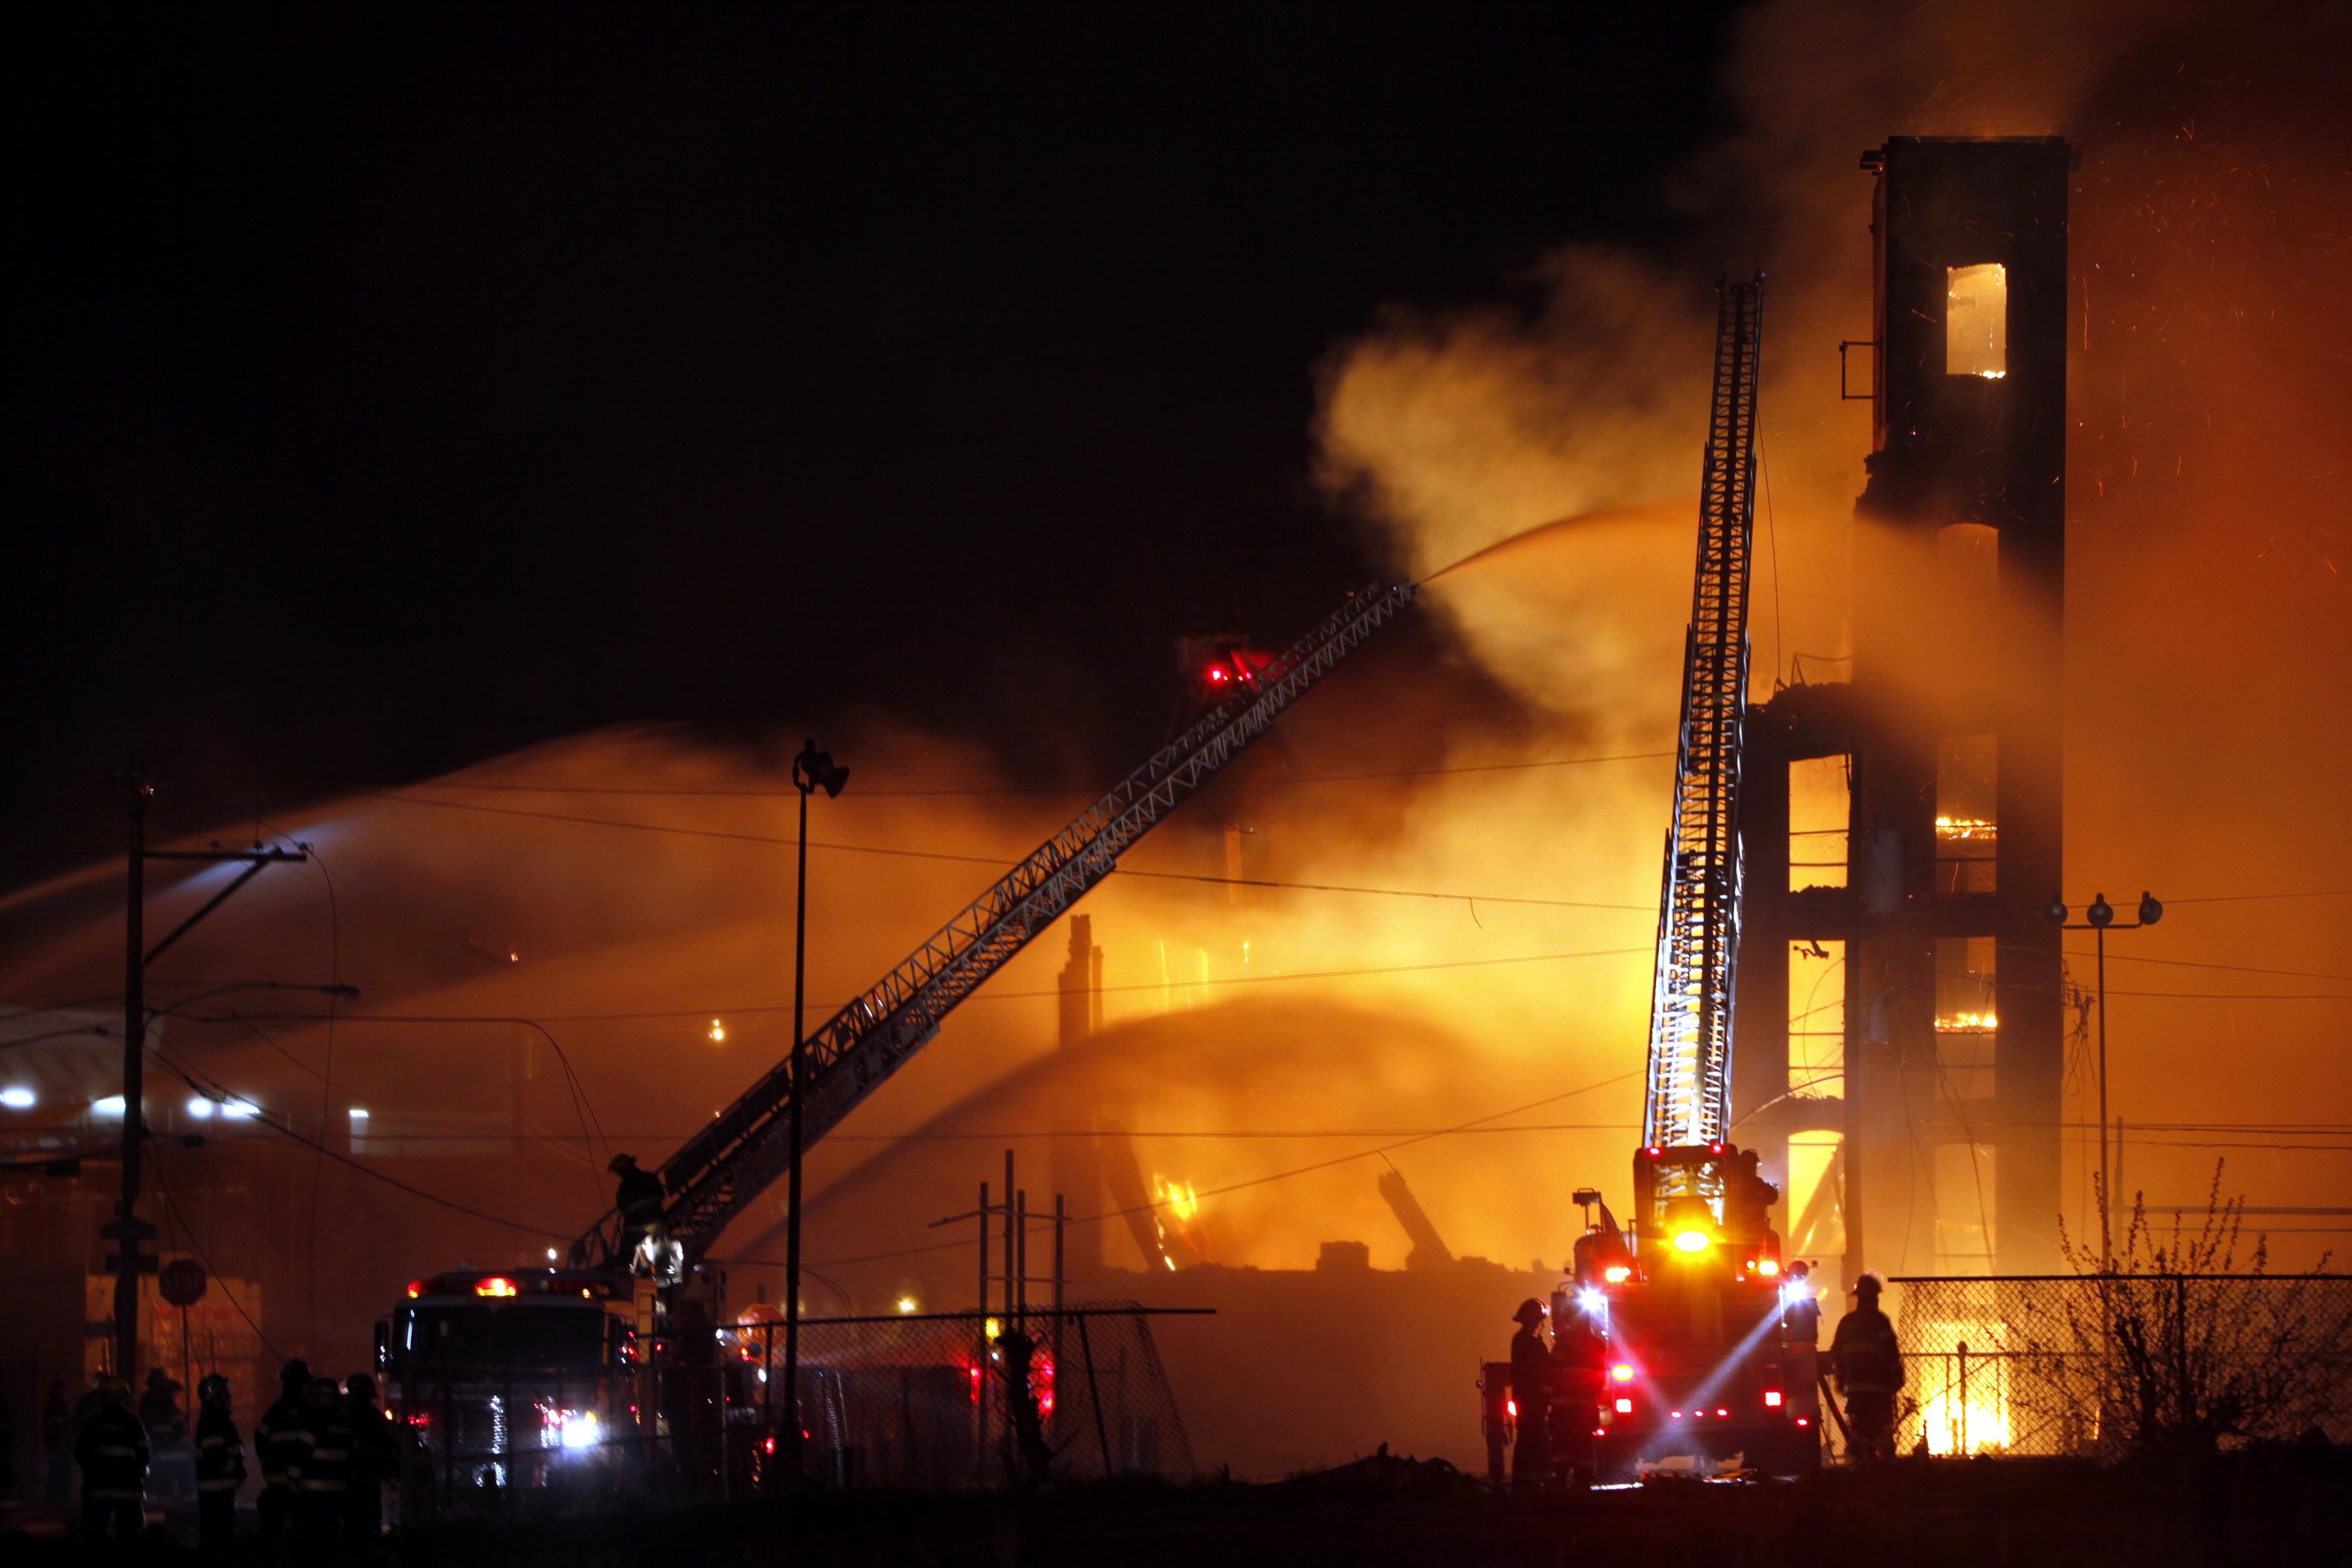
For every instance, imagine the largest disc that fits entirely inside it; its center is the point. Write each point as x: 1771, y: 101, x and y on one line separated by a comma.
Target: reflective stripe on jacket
x: 113, y: 1452
x: 220, y: 1454
x: 328, y: 1467
x: 283, y: 1443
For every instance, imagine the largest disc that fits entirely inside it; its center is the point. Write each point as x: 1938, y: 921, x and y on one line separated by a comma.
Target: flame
x: 1182, y: 1199
x: 1965, y: 1023
x: 1967, y: 827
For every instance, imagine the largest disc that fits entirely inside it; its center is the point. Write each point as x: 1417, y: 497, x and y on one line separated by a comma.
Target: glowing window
x: 1819, y: 798
x: 1816, y: 1180
x: 1968, y: 825
x: 1967, y: 1021
x: 1976, y: 321
x: 1816, y: 1016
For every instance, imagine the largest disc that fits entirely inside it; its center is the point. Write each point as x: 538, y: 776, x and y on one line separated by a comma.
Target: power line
x: 720, y: 1011
x: 1066, y: 791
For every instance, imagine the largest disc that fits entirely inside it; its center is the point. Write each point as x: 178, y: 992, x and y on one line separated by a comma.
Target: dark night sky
x: 389, y: 389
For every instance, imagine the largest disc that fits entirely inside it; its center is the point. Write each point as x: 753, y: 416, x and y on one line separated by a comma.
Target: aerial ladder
x: 1685, y: 1303
x: 743, y: 1150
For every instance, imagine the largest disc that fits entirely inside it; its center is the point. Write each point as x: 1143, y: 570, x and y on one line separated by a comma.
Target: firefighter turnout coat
x: 113, y: 1452
x: 220, y: 1452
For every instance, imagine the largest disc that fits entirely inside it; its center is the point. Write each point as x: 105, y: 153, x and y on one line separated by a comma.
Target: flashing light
x: 496, y: 1285
x: 1653, y: 1151
x: 1617, y: 1274
x: 1768, y: 1267
x: 111, y: 1105
x: 908, y: 1304
x: 1772, y: 1399
x: 1677, y: 1416
x: 1722, y: 1413
x: 770, y: 1445
x: 200, y: 1107
x: 579, y: 1429
x: 416, y: 1288
x: 550, y: 1257
x: 1691, y: 1241
x: 1511, y: 1408
x: 1592, y: 1301
x: 1804, y: 1420
x: 1622, y: 1372
x: 16, y: 1096
x: 1714, y: 1148
x: 1216, y: 675
x: 1624, y: 1407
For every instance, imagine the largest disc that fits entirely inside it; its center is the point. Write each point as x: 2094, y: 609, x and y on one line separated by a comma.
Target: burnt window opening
x: 1816, y: 1016
x: 1821, y: 810
x: 1976, y: 321
x: 1968, y: 825
x: 1968, y: 1024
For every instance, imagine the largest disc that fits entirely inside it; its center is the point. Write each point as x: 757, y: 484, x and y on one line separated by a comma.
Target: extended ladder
x: 743, y: 1150
x: 1698, y: 923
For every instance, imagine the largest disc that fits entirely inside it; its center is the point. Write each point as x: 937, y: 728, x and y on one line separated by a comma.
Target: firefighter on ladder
x: 1869, y: 1363
x: 644, y: 1248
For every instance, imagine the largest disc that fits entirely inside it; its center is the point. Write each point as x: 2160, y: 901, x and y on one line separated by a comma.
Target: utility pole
x: 2100, y: 917
x: 812, y: 769
x: 127, y: 1230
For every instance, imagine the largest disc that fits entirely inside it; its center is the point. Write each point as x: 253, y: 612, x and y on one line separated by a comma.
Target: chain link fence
x: 2095, y: 1365
x: 935, y: 1401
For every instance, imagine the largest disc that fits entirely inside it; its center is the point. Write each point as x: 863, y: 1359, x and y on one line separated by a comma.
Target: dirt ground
x: 2269, y: 1508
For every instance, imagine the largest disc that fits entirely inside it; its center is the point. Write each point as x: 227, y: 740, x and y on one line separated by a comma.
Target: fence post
x: 1094, y: 1392
x: 1963, y: 1449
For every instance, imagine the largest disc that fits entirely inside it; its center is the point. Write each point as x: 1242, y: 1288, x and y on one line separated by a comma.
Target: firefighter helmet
x: 294, y: 1376
x: 622, y: 1162
x: 360, y: 1385
x: 210, y: 1386
x: 112, y: 1387
x: 1532, y: 1313
x: 1871, y: 1283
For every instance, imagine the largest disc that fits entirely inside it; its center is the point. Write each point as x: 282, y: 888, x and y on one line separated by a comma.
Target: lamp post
x: 813, y: 770
x: 2098, y: 918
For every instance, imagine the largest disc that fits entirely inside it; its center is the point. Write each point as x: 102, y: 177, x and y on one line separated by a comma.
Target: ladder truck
x: 1684, y: 1306
x: 594, y: 1339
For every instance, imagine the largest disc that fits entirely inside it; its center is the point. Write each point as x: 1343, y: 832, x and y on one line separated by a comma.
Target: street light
x: 2100, y: 917
x: 812, y: 771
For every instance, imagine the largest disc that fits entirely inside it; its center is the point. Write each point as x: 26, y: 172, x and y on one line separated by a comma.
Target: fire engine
x: 626, y: 1362
x: 1686, y: 1304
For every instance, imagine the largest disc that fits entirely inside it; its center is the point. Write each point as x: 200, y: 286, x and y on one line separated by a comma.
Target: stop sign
x: 181, y: 1281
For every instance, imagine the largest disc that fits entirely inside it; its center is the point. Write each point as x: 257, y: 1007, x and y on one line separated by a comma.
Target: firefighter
x: 323, y: 1488
x: 167, y: 1431
x: 1021, y: 1400
x: 283, y: 1443
x: 220, y: 1465
x: 57, y: 1441
x: 1869, y: 1363
x: 639, y: 1198
x: 1531, y: 1375
x: 370, y: 1458
x: 111, y: 1448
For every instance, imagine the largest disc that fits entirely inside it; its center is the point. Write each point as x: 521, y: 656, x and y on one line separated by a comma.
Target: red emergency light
x: 1622, y: 1372
x: 1772, y: 1399
x: 1624, y: 1407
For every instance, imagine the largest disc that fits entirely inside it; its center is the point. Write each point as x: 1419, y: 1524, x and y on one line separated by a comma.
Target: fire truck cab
x: 511, y: 1378
x: 1701, y: 1360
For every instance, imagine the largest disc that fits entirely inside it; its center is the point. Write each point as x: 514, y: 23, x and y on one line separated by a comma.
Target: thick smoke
x: 2207, y: 615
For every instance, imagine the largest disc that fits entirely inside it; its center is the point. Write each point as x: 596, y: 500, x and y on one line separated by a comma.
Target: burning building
x: 1900, y: 1030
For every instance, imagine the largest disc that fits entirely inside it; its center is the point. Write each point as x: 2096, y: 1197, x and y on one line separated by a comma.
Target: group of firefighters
x: 325, y: 1453
x: 1864, y: 1357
